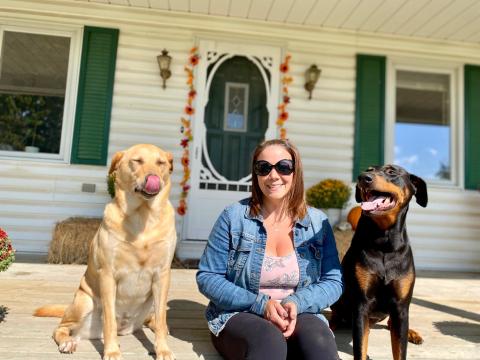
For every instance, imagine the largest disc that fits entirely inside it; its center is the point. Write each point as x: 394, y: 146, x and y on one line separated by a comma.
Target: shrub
x: 328, y: 193
x: 7, y: 253
x: 111, y: 185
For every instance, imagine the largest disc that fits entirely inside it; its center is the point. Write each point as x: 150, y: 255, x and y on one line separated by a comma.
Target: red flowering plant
x: 7, y: 252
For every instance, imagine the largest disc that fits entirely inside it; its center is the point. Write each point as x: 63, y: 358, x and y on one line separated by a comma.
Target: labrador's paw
x: 165, y: 355
x: 112, y: 355
x: 68, y: 346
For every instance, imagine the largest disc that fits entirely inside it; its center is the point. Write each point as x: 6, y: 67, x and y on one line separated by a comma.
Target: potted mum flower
x: 7, y: 253
x: 329, y: 195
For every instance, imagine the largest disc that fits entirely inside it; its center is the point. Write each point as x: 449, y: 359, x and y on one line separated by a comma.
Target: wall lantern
x: 164, y: 61
x: 311, y: 77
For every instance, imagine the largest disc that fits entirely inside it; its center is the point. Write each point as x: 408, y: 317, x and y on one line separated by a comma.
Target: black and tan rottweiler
x: 378, y: 268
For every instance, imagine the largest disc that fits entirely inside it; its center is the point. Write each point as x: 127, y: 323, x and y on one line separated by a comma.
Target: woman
x: 271, y: 266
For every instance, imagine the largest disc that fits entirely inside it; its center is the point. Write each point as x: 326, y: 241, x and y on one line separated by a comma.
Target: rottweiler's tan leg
x: 360, y: 333
x: 398, y: 321
x: 161, y: 284
x: 72, y: 321
x: 108, y: 290
x: 366, y: 333
x: 414, y: 336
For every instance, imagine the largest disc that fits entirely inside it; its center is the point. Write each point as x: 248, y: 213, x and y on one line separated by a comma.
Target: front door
x: 238, y: 88
x: 236, y: 118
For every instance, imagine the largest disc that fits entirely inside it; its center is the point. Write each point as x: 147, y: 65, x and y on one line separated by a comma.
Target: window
x: 236, y: 106
x: 35, y: 81
x: 423, y: 112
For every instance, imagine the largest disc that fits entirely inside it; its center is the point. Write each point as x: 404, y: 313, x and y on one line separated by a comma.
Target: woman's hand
x: 277, y: 314
x: 291, y: 309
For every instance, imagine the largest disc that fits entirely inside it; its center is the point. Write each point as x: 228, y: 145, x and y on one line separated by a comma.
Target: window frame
x: 454, y: 70
x: 75, y: 33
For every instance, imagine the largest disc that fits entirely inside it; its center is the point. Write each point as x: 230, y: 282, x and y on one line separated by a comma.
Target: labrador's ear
x: 420, y: 190
x: 170, y: 161
x: 115, y: 161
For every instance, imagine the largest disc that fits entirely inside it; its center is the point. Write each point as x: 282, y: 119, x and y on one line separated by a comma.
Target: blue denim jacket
x: 230, y: 267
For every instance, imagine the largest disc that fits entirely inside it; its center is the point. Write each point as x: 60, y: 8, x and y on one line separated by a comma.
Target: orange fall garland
x: 186, y: 130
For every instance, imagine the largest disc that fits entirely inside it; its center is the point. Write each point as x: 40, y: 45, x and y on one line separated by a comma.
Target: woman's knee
x: 267, y: 342
x: 312, y: 337
x: 248, y: 336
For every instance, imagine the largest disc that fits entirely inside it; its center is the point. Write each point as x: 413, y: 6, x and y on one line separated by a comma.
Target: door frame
x: 210, y: 51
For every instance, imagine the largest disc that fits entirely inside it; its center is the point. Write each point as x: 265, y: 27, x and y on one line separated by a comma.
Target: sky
x: 421, y: 149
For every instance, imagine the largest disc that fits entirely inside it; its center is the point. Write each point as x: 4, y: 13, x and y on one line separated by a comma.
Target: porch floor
x: 445, y: 310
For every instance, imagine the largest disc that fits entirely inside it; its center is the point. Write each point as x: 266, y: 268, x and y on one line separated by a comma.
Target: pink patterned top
x: 279, y: 276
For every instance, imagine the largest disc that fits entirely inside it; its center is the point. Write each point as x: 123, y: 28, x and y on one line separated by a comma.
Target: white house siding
x: 34, y: 195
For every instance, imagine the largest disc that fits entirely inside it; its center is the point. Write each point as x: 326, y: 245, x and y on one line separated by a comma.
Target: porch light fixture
x: 311, y: 77
x: 164, y: 61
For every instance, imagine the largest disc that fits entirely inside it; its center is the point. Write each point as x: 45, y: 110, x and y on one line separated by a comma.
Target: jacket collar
x: 305, y: 221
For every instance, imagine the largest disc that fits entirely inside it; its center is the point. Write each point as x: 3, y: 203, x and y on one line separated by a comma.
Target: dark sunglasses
x: 283, y: 167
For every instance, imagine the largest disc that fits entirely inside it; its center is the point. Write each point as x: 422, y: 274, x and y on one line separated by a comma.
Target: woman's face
x: 274, y: 186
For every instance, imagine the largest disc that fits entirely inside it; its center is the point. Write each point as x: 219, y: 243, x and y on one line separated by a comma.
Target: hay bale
x: 343, y: 239
x: 71, y: 240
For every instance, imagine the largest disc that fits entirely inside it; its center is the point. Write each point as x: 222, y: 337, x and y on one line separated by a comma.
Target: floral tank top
x: 279, y: 276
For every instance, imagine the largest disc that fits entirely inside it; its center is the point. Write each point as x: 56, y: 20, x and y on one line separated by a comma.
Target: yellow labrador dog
x: 129, y: 260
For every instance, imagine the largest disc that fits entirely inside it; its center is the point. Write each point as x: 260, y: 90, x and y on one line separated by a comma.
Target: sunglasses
x: 283, y: 167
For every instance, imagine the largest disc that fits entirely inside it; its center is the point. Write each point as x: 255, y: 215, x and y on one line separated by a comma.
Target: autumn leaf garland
x: 286, y: 81
x: 189, y: 111
x: 186, y: 130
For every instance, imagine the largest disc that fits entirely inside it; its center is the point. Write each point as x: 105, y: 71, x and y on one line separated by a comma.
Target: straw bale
x: 71, y: 240
x: 343, y: 239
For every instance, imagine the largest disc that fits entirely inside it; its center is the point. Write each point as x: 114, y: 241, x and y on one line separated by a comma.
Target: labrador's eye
x: 138, y: 161
x: 160, y: 162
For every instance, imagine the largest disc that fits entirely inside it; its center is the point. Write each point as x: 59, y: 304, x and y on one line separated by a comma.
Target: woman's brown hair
x: 296, y: 206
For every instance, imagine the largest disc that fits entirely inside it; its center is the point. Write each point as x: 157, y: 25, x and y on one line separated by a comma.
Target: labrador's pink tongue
x: 376, y: 203
x: 153, y: 184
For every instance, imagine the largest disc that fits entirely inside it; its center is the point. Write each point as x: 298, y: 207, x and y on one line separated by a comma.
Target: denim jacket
x: 230, y: 267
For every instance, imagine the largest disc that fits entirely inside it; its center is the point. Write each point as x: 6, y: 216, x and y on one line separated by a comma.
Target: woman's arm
x: 327, y: 290
x: 211, y: 275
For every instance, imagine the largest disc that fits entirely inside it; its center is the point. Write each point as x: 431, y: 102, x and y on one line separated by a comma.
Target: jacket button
x: 302, y: 256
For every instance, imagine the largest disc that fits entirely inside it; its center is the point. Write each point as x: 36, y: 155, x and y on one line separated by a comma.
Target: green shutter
x: 369, y: 113
x: 472, y: 127
x: 94, y: 98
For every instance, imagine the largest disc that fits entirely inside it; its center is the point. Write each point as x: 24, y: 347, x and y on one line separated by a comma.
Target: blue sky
x: 420, y: 149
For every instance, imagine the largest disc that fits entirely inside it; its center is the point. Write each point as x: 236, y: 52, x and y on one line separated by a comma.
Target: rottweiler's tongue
x: 153, y: 184
x: 376, y: 203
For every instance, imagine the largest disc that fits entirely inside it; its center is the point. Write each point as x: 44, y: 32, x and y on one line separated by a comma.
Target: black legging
x: 248, y: 336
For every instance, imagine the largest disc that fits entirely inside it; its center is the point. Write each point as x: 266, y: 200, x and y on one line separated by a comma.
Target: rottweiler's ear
x: 170, y: 160
x: 421, y: 190
x: 115, y: 160
x: 358, y: 196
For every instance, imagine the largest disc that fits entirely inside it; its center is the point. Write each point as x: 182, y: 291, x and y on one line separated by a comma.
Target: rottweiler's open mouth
x: 378, y: 201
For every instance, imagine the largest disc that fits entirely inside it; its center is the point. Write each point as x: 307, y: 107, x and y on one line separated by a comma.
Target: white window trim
x: 75, y: 34
x: 457, y: 142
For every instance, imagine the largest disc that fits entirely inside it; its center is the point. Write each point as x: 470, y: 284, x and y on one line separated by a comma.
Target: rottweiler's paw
x: 414, y: 337
x: 68, y: 346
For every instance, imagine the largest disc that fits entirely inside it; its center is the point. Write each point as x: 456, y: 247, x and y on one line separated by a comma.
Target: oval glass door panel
x: 236, y: 116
